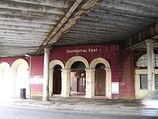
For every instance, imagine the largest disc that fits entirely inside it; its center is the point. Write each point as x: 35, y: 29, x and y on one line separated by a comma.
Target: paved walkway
x: 79, y: 104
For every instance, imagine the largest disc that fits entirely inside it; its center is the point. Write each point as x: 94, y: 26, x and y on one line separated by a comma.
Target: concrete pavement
x: 79, y: 104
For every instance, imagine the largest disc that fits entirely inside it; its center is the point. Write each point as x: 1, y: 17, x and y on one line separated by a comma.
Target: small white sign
x: 115, y: 87
x: 36, y: 80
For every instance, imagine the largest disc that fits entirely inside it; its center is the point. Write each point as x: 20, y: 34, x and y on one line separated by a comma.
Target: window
x: 82, y: 81
x: 143, y: 81
x: 156, y: 81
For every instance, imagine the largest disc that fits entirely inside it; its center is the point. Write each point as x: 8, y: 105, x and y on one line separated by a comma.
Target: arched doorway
x: 71, y: 68
x: 100, y: 82
x: 20, y: 77
x: 101, y: 76
x: 78, y: 79
x: 57, y: 79
x: 5, y: 81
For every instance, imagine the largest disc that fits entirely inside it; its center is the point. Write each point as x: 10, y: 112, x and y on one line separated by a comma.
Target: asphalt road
x: 15, y: 112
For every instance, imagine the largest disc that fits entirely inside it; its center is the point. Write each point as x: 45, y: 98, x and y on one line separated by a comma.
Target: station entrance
x: 100, y: 74
x: 57, y: 80
x: 78, y: 79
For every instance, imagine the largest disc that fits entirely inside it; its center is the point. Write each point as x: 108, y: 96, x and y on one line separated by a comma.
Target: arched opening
x: 5, y: 81
x: 57, y: 79
x: 104, y: 76
x: 100, y: 83
x: 141, y: 81
x: 20, y: 77
x: 78, y: 79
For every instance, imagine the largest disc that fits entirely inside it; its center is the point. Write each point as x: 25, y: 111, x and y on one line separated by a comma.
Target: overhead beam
x: 30, y: 7
x: 75, y: 13
x: 52, y: 3
x: 126, y: 7
x: 135, y: 41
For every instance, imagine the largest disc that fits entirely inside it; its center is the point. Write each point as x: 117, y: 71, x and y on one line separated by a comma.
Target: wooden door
x: 57, y: 81
x: 100, y: 82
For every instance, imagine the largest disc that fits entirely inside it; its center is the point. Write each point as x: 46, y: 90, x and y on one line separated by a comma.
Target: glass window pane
x: 143, y: 81
x: 156, y: 81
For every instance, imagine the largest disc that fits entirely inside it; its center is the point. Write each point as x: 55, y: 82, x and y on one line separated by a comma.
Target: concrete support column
x: 108, y: 83
x: 51, y: 72
x: 65, y: 90
x: 150, y: 65
x: 46, y: 74
x: 90, y: 79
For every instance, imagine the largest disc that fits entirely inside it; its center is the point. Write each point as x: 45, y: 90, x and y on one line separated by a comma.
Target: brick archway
x: 107, y: 72
x: 75, y: 59
x: 52, y: 64
x: 20, y: 65
x: 66, y: 73
x: 5, y: 80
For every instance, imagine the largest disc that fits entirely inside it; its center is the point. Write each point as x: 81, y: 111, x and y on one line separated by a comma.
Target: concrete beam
x: 138, y: 40
x: 75, y: 13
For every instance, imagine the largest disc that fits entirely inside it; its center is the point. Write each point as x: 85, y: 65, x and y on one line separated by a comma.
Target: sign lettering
x: 82, y: 50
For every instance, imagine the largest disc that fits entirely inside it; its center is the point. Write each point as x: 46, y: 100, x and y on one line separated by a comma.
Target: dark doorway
x: 57, y: 80
x: 100, y: 75
x: 78, y: 79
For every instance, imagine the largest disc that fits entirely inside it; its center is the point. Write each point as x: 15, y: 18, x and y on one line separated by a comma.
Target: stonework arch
x: 52, y: 64
x: 108, y: 74
x: 99, y: 60
x: 4, y: 64
x: 20, y: 77
x: 75, y: 59
x: 66, y: 74
x: 17, y: 62
x: 5, y: 80
x: 142, y: 71
x: 142, y: 61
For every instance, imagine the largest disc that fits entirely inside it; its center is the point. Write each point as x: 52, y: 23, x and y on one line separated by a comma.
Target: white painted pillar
x: 108, y: 83
x: 46, y: 74
x: 65, y: 90
x: 90, y: 78
x: 51, y: 72
x: 150, y: 65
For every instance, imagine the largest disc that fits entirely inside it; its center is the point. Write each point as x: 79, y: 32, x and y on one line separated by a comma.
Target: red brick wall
x: 109, y: 52
x: 36, y: 73
x: 11, y: 60
x: 36, y: 89
x: 37, y: 66
x: 127, y: 90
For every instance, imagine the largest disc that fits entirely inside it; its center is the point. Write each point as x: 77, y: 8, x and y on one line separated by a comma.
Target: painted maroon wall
x: 127, y: 90
x: 37, y: 66
x: 122, y: 65
x: 109, y: 52
x: 36, y: 72
x: 10, y: 60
